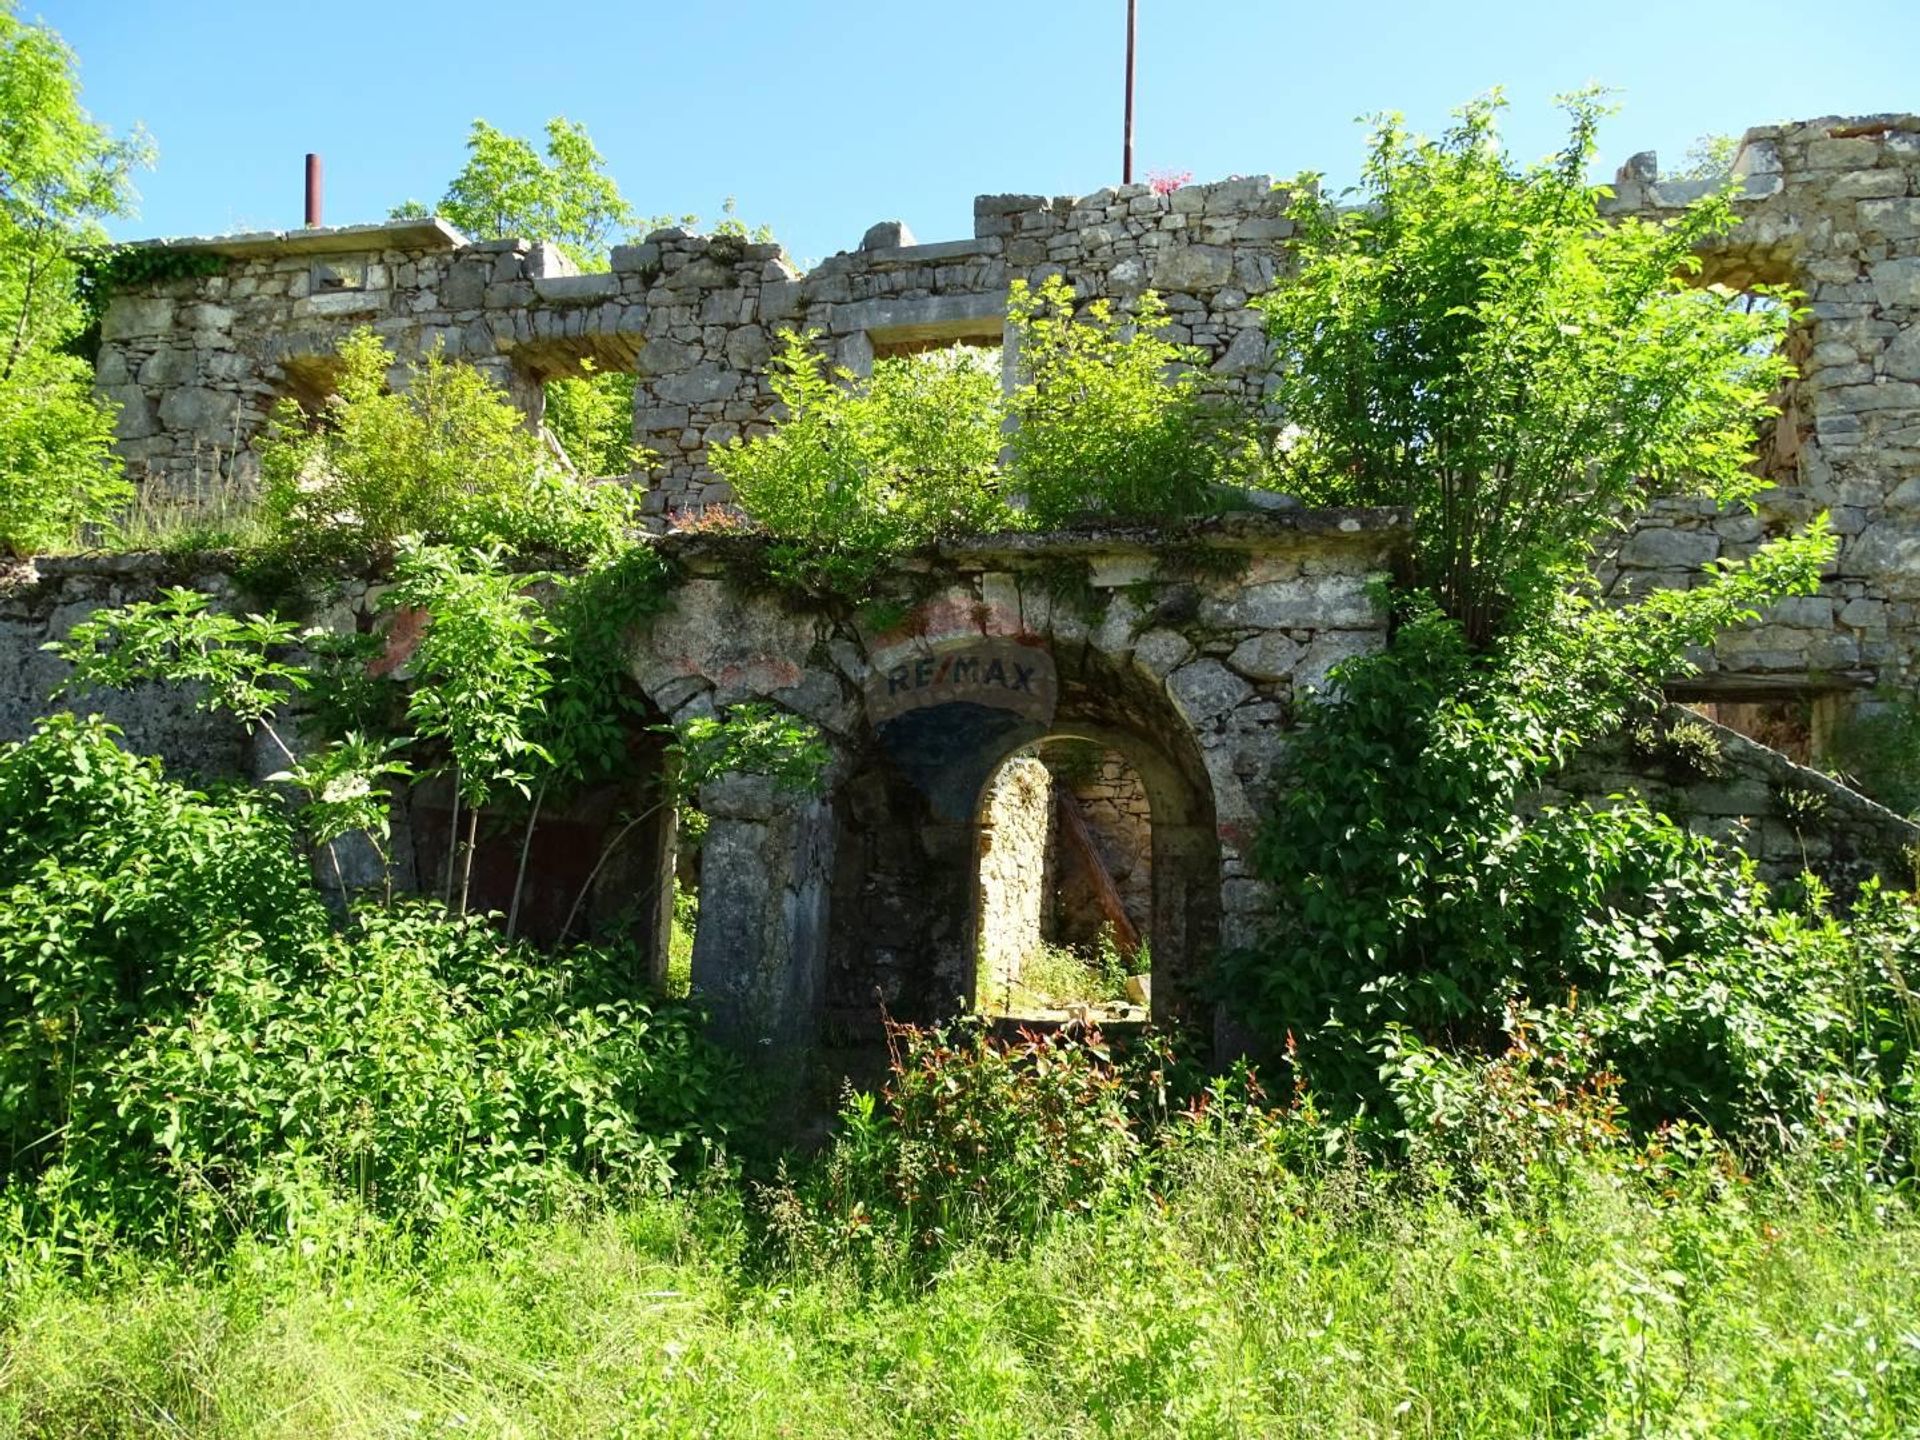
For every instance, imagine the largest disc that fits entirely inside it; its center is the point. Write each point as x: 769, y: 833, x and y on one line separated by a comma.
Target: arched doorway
x: 906, y: 914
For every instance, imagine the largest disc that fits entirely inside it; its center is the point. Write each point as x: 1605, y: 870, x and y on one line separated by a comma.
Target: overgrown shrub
x: 189, y: 1050
x: 58, y: 472
x: 856, y: 471
x: 1468, y: 337
x: 445, y: 458
x: 973, y: 1140
x: 1415, y: 895
x: 1113, y: 419
x: 590, y: 416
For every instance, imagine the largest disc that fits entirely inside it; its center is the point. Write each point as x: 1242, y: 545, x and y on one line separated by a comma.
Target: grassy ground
x: 1234, y: 1309
x: 1054, y: 977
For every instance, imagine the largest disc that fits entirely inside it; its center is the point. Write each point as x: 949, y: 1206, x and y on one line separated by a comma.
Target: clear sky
x: 824, y: 117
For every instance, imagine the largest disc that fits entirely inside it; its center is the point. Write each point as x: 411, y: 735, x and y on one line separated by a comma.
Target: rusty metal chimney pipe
x: 313, y: 191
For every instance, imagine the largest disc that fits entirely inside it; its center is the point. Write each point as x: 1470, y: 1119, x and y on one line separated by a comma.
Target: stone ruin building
x: 1175, y: 660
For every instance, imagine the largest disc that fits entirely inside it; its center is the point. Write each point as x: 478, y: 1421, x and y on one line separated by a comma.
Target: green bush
x: 447, y: 458
x: 590, y: 416
x: 189, y: 1050
x: 1421, y: 892
x: 973, y: 1140
x: 1115, y: 421
x: 857, y: 471
x: 58, y: 472
x: 1468, y: 337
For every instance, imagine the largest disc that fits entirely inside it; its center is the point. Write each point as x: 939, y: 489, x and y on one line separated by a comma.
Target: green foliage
x: 1114, y: 420
x: 1258, y: 1298
x: 1471, y: 340
x: 591, y: 417
x: 480, y: 669
x: 1690, y: 749
x: 58, y: 472
x: 507, y: 191
x: 178, y: 640
x: 1710, y: 157
x: 1876, y: 747
x: 447, y: 458
x: 858, y: 471
x: 1054, y: 977
x: 188, y: 1051
x: 590, y: 631
x: 749, y: 739
x: 974, y: 1140
x: 61, y: 175
x: 1419, y: 891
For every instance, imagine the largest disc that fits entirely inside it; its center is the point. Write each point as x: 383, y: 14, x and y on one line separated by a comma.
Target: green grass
x: 1246, y: 1305
x: 1054, y: 977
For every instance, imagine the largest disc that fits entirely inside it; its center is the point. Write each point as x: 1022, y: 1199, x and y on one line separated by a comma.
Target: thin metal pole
x: 1126, y: 153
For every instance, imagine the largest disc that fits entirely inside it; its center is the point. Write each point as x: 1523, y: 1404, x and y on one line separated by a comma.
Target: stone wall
x: 1830, y: 206
x: 1832, y: 209
x: 41, y: 602
x: 1789, y: 818
x: 1113, y: 803
x: 828, y: 911
x: 818, y: 915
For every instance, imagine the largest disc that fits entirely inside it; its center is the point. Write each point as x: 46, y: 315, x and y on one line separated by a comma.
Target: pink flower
x: 1165, y: 182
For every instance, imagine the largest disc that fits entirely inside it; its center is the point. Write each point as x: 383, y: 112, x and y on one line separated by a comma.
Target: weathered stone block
x: 1205, y: 690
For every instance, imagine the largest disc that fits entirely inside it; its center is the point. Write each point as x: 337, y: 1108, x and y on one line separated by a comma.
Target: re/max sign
x: 990, y: 672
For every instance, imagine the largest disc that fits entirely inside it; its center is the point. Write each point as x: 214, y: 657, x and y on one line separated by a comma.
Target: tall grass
x: 1243, y: 1302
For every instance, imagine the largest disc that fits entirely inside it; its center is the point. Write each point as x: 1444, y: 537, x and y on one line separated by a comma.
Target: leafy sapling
x: 482, y: 676
x: 178, y: 640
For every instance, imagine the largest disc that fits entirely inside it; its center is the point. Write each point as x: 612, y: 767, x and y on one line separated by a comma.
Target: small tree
x: 1473, y: 340
x: 860, y: 469
x: 507, y: 190
x: 481, y: 679
x: 60, y: 176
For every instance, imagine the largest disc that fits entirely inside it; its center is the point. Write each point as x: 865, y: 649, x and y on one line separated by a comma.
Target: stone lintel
x: 933, y: 251
x: 937, y: 317
x: 429, y: 234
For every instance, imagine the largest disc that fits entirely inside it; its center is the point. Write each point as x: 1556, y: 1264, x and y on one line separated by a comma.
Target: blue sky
x: 824, y: 117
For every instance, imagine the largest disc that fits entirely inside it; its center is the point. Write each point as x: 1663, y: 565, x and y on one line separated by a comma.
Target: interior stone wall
x: 1113, y: 802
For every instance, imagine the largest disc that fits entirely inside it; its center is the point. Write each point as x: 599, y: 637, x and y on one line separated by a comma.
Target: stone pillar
x: 1014, y: 884
x: 759, y: 956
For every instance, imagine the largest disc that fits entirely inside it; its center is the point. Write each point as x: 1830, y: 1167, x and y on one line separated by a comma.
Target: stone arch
x: 905, y: 912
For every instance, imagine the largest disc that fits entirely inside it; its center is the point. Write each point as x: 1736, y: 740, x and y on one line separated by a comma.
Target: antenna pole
x: 1126, y: 150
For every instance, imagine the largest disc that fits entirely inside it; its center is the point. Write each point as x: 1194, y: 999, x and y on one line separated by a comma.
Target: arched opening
x: 1064, y: 900
x: 906, y: 915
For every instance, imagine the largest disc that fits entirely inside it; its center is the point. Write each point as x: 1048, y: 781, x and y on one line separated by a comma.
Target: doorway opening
x: 1065, y: 887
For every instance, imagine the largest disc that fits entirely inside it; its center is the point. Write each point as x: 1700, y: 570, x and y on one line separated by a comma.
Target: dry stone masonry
x: 1830, y: 207
x: 818, y: 917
